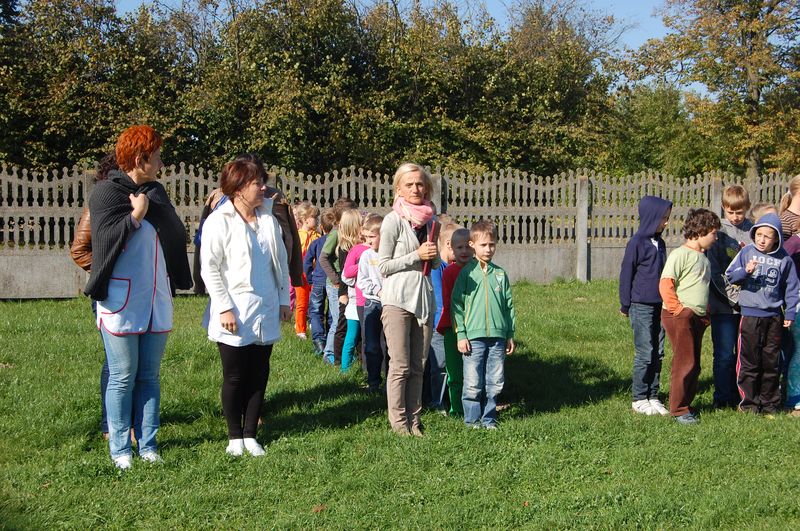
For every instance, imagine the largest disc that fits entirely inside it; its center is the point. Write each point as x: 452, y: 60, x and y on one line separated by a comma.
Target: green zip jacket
x: 481, y: 304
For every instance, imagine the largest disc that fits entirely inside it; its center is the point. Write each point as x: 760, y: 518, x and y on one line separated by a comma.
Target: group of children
x: 341, y: 265
x: 737, y: 275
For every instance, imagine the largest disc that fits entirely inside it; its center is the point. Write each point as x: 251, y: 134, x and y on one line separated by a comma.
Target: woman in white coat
x: 244, y: 267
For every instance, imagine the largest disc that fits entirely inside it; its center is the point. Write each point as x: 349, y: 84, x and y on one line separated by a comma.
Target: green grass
x: 569, y: 452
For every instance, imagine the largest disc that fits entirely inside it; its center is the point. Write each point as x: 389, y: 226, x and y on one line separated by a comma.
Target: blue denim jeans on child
x: 316, y: 312
x: 793, y: 376
x: 373, y: 348
x: 483, y: 380
x: 134, y: 362
x: 333, y: 311
x: 648, y: 345
x: 437, y: 369
x: 725, y: 336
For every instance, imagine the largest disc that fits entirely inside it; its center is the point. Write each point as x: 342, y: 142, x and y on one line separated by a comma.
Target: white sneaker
x: 302, y: 335
x: 658, y: 407
x: 123, y: 462
x: 151, y: 457
x: 643, y: 406
x: 235, y: 447
x: 253, y: 448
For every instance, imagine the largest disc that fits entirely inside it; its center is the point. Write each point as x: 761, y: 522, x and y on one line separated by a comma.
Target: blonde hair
x: 735, y: 197
x: 349, y: 229
x: 794, y: 189
x: 446, y: 233
x: 372, y: 223
x: 411, y: 167
x: 759, y: 209
x: 483, y: 227
x: 305, y: 210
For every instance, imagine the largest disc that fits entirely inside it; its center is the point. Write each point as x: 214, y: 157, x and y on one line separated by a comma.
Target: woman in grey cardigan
x: 407, y: 294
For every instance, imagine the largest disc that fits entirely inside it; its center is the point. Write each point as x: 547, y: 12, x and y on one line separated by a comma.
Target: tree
x: 742, y: 51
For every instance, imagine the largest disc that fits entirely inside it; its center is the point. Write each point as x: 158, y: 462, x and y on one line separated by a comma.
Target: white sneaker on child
x: 658, y: 407
x: 123, y: 462
x: 235, y: 447
x: 253, y: 448
x: 643, y: 406
x: 302, y: 335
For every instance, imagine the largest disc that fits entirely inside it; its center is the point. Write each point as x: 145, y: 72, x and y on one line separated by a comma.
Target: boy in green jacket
x: 483, y: 316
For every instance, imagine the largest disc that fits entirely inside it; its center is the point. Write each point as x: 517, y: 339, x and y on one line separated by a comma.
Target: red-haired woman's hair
x: 134, y: 141
x: 236, y: 175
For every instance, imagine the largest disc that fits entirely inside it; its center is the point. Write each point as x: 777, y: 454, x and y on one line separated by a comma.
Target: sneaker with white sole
x: 123, y: 462
x: 151, y: 457
x: 658, y: 407
x: 643, y: 406
x: 235, y: 447
x: 253, y: 448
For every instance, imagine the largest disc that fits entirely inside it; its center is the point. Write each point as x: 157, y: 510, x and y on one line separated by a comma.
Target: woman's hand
x: 228, y: 321
x: 139, y: 203
x: 427, y: 251
x: 285, y: 313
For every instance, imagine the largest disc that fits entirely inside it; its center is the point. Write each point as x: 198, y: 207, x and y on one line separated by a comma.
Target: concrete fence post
x: 716, y: 193
x: 582, y: 228
x: 439, y: 191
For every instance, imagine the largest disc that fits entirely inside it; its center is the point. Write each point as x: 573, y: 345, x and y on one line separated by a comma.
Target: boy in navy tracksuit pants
x: 640, y: 301
x: 316, y: 277
x: 769, y: 284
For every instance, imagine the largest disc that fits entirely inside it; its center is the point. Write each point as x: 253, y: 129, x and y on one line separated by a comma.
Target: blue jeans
x: 316, y: 312
x: 374, y: 345
x: 134, y: 362
x: 438, y: 370
x: 793, y: 376
x: 333, y: 312
x: 483, y: 380
x: 648, y: 346
x: 725, y: 336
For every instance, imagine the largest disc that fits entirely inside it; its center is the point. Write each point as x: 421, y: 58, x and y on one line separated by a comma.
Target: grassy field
x: 569, y: 452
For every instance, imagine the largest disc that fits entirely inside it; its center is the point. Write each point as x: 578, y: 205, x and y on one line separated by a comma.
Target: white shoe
x: 123, y: 462
x: 151, y: 457
x: 658, y: 407
x: 302, y: 335
x: 253, y: 448
x: 643, y: 406
x: 235, y: 447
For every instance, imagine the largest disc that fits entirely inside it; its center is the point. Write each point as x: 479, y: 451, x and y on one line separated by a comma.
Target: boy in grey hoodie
x: 723, y: 297
x: 768, y: 300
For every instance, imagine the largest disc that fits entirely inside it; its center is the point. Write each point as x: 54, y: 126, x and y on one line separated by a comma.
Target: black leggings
x: 245, y: 371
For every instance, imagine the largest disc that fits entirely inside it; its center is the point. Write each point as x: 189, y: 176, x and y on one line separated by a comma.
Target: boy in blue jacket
x: 316, y: 277
x: 640, y: 301
x: 768, y: 299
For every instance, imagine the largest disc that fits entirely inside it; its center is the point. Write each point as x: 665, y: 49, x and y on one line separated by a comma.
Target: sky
x: 638, y: 15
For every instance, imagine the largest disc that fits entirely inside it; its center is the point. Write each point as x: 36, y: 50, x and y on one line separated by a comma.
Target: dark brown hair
x: 236, y: 175
x: 699, y: 222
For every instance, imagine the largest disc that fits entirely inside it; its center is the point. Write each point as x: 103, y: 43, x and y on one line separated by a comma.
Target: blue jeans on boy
x: 725, y: 336
x: 483, y: 380
x: 373, y: 345
x: 648, y: 346
x: 316, y: 312
x: 437, y: 369
x: 134, y: 362
x: 333, y: 311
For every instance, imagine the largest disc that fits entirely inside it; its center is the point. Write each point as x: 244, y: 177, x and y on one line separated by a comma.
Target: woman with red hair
x: 138, y: 260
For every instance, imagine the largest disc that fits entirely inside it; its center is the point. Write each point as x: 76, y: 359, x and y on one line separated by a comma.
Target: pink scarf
x: 418, y: 215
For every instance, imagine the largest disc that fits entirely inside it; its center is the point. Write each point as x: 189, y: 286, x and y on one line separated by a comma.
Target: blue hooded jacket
x: 773, y: 284
x: 645, y: 256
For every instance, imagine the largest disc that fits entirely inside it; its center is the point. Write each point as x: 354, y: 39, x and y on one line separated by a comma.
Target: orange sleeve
x: 666, y: 288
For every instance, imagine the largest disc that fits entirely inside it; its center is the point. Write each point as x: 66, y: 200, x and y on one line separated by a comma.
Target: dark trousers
x: 341, y: 333
x: 245, y: 371
x: 685, y: 332
x: 316, y: 312
x: 758, y: 365
x: 374, y: 343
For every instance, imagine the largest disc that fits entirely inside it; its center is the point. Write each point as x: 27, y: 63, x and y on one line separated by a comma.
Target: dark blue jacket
x: 314, y: 275
x: 644, y: 260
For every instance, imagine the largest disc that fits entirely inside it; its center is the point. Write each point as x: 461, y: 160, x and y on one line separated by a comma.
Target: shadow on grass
x: 548, y: 385
x: 329, y: 405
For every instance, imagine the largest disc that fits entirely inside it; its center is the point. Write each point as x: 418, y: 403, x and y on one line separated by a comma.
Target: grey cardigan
x: 405, y: 285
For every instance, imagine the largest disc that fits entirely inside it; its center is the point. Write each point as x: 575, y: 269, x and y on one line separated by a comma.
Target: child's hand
x: 343, y: 299
x: 751, y: 266
x: 787, y: 324
x: 464, y: 347
x: 623, y: 314
x: 510, y: 346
